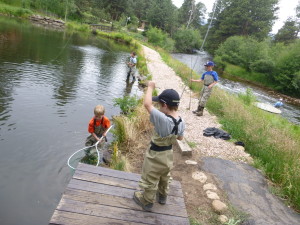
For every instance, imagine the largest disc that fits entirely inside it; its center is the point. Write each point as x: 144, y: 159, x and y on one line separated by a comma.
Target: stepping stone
x: 190, y: 162
x: 212, y: 195
x: 219, y: 207
x: 199, y: 176
x: 209, y: 186
x: 223, y: 219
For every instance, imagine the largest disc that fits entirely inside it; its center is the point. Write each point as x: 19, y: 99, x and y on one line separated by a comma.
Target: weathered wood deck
x: 97, y: 195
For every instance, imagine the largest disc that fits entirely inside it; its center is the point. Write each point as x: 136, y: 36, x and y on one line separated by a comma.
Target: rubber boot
x: 161, y: 199
x: 197, y: 110
x: 139, y: 199
x: 200, y: 112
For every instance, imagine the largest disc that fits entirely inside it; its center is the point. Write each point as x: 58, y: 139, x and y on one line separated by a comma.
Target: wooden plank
x: 62, y: 217
x: 115, y: 201
x: 116, y: 173
x: 99, y: 178
x: 119, y: 213
x: 114, y: 191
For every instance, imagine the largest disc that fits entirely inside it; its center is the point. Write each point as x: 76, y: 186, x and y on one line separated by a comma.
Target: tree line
x: 239, y: 33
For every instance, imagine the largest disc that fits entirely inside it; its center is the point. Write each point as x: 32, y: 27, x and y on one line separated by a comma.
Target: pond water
x: 196, y: 62
x: 50, y: 83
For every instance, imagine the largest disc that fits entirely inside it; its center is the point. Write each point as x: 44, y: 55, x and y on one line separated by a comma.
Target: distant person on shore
x: 279, y: 103
x: 209, y: 79
x: 132, y: 66
x: 98, y: 126
x: 158, y: 160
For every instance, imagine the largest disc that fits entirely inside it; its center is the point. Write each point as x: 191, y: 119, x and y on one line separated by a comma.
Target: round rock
x: 209, y: 186
x: 199, y: 176
x: 190, y: 162
x: 223, y: 219
x: 219, y: 206
x: 212, y: 195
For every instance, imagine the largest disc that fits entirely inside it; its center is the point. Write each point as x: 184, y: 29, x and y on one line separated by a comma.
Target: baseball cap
x: 209, y: 63
x: 169, y: 97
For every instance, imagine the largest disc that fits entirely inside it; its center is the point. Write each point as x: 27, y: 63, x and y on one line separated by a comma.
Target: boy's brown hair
x: 170, y: 107
x: 99, y: 110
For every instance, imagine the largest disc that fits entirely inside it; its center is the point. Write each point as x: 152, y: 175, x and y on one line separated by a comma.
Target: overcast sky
x: 286, y: 9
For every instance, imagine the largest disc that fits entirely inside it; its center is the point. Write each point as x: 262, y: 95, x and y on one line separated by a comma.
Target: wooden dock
x: 97, y: 195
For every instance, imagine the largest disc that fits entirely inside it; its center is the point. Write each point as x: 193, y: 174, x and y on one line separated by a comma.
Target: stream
x: 197, y: 61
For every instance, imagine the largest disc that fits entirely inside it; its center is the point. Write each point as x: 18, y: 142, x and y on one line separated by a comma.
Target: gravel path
x: 165, y: 77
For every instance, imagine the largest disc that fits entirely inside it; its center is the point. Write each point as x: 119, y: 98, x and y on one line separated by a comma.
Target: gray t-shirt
x: 164, y: 125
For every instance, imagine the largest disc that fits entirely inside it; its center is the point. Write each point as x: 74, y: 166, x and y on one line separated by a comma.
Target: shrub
x: 187, y: 39
x: 248, y: 97
x: 159, y: 38
x: 263, y: 66
x: 288, y: 69
x: 14, y: 11
x: 132, y: 28
x: 127, y: 103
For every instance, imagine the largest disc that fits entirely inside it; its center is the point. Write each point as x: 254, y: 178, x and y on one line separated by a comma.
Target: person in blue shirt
x: 132, y: 66
x: 209, y: 79
x: 279, y: 103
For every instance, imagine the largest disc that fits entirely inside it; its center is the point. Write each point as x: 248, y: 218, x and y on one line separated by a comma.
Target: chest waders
x: 98, y: 130
x: 205, y: 93
x: 157, y: 164
x: 131, y: 70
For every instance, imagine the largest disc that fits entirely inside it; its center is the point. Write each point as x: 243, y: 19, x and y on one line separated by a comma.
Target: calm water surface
x: 50, y: 83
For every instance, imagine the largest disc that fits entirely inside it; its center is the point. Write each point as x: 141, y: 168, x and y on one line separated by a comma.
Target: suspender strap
x: 100, y: 122
x: 175, y: 128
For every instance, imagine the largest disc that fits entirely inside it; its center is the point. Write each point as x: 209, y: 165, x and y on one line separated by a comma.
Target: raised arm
x: 148, y: 96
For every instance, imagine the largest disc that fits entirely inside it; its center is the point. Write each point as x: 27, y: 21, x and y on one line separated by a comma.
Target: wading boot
x: 200, y: 112
x: 161, y: 199
x: 139, y: 199
x: 197, y: 110
x: 128, y: 75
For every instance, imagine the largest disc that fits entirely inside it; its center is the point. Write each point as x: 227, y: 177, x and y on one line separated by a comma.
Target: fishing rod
x: 96, y: 145
x: 201, y: 49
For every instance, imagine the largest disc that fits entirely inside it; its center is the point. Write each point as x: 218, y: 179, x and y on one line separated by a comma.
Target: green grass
x: 14, y: 11
x: 267, y: 137
x: 235, y: 72
x: 192, y: 144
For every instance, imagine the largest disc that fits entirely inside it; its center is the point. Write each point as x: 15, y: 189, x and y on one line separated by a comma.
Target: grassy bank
x: 14, y: 11
x: 255, y: 77
x: 272, y: 140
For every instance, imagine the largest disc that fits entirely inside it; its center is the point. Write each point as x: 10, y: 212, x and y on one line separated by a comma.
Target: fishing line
x: 62, y: 49
x: 201, y: 48
x: 94, y: 145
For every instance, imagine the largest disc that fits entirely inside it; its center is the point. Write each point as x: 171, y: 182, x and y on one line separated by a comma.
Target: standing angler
x: 132, y: 66
x: 158, y: 161
x: 209, y: 78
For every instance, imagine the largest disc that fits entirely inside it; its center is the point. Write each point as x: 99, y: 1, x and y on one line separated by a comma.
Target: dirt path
x: 199, y: 207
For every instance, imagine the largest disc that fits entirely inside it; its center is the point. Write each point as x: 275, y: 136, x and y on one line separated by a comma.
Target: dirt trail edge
x: 245, y: 186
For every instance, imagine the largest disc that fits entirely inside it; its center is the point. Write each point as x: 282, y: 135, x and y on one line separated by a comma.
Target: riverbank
x: 239, y: 74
